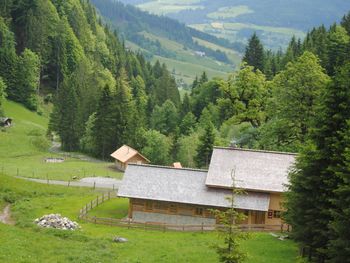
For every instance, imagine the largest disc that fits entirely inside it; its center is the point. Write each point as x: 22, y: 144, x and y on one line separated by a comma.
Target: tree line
x: 309, y: 113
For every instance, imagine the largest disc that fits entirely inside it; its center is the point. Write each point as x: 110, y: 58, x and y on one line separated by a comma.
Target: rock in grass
x: 56, y: 221
x: 120, y: 240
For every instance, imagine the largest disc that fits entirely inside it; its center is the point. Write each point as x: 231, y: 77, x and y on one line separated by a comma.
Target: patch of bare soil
x: 5, y: 216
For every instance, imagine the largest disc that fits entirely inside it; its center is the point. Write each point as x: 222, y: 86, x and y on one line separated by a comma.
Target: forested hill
x: 59, y: 51
x: 132, y: 20
x: 157, y: 35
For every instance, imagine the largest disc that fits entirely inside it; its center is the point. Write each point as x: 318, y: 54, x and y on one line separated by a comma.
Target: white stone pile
x: 56, y: 221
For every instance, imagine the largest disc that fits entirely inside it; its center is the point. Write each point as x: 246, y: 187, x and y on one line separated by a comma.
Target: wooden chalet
x: 171, y: 195
x: 125, y: 155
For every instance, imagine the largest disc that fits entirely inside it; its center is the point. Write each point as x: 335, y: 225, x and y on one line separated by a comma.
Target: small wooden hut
x: 125, y: 155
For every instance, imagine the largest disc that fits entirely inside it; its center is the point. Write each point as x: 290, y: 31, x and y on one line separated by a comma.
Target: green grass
x: 93, y: 242
x: 114, y: 208
x: 231, y: 54
x: 23, y: 150
x: 230, y: 12
x: 163, y: 7
x: 187, y: 65
x: 273, y: 37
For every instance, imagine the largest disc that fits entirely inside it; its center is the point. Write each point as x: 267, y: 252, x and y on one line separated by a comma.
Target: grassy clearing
x: 163, y: 7
x: 188, y: 70
x: 230, y: 12
x: 93, y: 242
x: 231, y: 54
x: 187, y: 65
x: 272, y: 37
x: 24, y: 148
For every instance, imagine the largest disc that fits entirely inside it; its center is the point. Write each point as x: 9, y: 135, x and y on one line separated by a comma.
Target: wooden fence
x: 96, y: 202
x: 129, y: 223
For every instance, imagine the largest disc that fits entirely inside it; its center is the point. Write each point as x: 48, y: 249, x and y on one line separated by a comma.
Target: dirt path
x: 97, y: 182
x: 56, y: 148
x: 5, y: 216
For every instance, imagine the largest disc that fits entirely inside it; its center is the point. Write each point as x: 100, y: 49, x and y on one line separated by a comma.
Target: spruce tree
x: 337, y: 48
x: 317, y: 199
x: 186, y: 106
x: 205, y: 147
x: 254, y: 53
x: 104, y: 125
x: 204, y: 78
x: 338, y: 170
x: 346, y: 22
x: 125, y: 122
x: 65, y: 117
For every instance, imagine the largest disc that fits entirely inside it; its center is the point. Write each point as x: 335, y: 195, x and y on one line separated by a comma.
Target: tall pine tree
x: 205, y: 147
x: 315, y: 207
x: 254, y: 53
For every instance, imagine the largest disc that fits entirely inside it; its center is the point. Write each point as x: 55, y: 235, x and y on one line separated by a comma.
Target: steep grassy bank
x: 24, y: 148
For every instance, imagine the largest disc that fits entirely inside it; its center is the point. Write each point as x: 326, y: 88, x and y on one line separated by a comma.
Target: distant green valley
x: 187, y: 52
x: 236, y: 20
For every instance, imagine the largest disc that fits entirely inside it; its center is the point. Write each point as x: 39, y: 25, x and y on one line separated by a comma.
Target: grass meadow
x: 24, y: 148
x: 93, y: 243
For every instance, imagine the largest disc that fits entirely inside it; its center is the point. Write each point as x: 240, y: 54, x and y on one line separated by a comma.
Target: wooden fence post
x: 97, y: 201
x: 94, y: 185
x: 68, y: 183
x: 202, y: 227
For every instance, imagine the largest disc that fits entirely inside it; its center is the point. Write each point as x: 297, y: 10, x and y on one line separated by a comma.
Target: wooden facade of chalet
x: 272, y: 217
x: 125, y: 155
x: 187, y: 196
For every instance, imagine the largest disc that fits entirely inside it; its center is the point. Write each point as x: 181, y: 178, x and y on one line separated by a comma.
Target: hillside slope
x: 171, y: 41
x: 24, y: 148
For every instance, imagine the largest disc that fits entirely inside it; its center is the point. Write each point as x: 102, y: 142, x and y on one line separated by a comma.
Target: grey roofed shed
x: 254, y: 170
x: 182, y: 186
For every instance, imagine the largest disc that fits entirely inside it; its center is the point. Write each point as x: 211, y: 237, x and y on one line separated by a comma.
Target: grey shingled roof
x: 182, y: 186
x: 254, y: 170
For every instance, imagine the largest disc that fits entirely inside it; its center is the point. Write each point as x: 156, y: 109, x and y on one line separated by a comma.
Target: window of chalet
x: 276, y: 214
x: 198, y: 211
x: 173, y: 208
x: 149, y: 205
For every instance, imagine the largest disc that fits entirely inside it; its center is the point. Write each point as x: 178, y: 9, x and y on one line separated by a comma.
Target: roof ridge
x: 168, y: 167
x: 253, y: 150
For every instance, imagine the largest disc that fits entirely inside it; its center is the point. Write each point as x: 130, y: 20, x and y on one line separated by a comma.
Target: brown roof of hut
x: 125, y: 153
